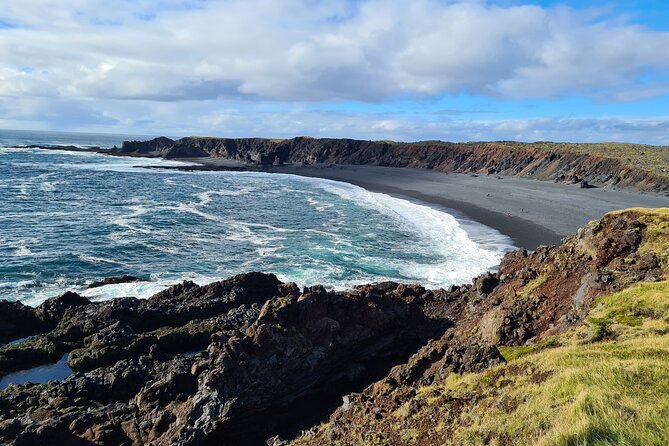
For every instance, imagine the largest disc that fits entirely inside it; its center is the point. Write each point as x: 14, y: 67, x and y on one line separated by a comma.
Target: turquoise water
x: 68, y: 218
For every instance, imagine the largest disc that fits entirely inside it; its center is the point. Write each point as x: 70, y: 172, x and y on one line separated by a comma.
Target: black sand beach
x: 530, y: 212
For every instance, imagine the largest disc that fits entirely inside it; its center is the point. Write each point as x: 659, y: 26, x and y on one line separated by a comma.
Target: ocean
x: 68, y: 218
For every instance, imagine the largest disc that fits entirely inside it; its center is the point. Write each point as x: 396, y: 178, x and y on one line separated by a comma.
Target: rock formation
x: 552, y: 163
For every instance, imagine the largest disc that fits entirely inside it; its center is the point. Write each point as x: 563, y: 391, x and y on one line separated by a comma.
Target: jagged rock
x: 486, y: 284
x: 52, y: 310
x: 18, y: 320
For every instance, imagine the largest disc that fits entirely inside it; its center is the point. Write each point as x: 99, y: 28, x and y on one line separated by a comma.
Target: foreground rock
x: 233, y: 362
x: 250, y: 358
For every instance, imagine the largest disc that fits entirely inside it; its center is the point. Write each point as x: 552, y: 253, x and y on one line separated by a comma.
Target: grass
x: 529, y: 290
x: 603, y: 383
x: 642, y: 310
x: 511, y: 353
x: 608, y: 393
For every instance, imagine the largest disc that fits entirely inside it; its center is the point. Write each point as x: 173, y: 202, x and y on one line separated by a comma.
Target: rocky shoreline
x: 251, y: 360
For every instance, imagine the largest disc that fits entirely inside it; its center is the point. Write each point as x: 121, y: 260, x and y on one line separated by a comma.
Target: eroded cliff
x: 635, y: 167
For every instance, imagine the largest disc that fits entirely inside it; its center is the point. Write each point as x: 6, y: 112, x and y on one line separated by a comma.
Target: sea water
x: 67, y: 218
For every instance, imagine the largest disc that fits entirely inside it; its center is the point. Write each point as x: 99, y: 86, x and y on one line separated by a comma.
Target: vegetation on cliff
x: 570, y: 391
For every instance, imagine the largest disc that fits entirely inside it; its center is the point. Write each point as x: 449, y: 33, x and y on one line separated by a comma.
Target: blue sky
x: 371, y: 69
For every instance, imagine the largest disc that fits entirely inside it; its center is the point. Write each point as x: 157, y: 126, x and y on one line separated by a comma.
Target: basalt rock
x: 259, y: 370
x: 18, y: 320
x: 114, y: 281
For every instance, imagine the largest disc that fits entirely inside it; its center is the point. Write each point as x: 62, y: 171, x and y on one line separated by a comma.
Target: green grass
x: 607, y: 393
x: 410, y: 435
x: 511, y: 353
x: 642, y: 310
x: 611, y: 389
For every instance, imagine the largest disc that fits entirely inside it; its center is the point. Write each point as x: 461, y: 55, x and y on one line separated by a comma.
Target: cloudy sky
x: 371, y: 69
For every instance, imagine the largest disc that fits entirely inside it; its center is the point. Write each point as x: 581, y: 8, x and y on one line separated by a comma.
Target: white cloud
x: 306, y: 50
x: 261, y: 67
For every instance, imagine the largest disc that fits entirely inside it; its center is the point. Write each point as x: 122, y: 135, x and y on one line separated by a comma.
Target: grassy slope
x: 605, y: 382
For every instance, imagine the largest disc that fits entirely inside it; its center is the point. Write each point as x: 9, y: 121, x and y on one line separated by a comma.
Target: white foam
x: 22, y: 249
x: 206, y: 197
x: 92, y: 259
x: 104, y: 162
x: 466, y: 248
x: 49, y: 186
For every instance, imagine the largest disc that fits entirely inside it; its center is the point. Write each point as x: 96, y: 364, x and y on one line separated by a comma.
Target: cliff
x: 561, y: 346
x: 619, y: 165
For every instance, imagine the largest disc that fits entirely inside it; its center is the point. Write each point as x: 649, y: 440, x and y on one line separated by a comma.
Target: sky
x: 468, y: 70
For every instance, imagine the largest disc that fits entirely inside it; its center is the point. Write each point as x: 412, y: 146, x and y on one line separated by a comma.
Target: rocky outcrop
x: 259, y: 370
x: 114, y: 281
x: 520, y: 160
x: 251, y: 358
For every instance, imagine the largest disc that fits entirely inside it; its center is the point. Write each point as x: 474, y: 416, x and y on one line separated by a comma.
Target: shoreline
x: 530, y: 212
x: 523, y: 233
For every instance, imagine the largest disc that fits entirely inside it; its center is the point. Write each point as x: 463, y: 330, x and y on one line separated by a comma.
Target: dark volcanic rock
x: 52, y: 310
x: 260, y: 370
x: 114, y: 281
x: 18, y: 320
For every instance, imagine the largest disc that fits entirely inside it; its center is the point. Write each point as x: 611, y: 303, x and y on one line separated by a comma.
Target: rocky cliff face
x: 242, y: 360
x: 525, y: 161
